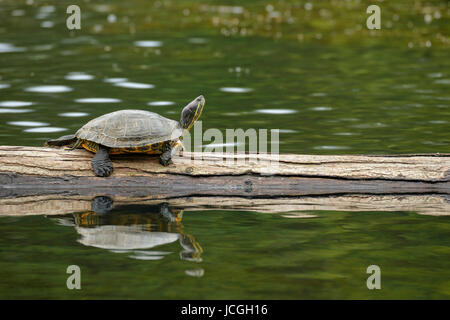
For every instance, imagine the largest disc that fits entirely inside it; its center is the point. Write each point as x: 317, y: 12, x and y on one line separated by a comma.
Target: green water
x: 245, y: 255
x: 330, y: 85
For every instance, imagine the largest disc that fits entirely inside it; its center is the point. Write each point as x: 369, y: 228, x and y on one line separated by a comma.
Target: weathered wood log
x: 27, y: 171
x: 60, y: 162
x: 57, y: 181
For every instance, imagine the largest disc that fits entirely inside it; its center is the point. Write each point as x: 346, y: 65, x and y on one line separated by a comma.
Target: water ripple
x: 438, y: 121
x: 235, y: 89
x: 197, y: 40
x: 15, y: 104
x: 161, y: 103
x: 442, y: 81
x: 6, y: 110
x: 45, y: 129
x: 73, y: 114
x: 7, y: 47
x: 370, y: 125
x: 18, y: 13
x: 49, y: 89
x: 47, y: 9
x: 47, y: 24
x: 345, y: 134
x: 331, y: 148
x: 28, y: 123
x: 435, y: 75
x: 78, y: 76
x: 319, y: 94
x: 138, y: 257
x: 276, y: 111
x: 43, y: 47
x: 322, y: 108
x: 98, y: 100
x: 115, y: 80
x: 134, y: 85
x: 148, y: 44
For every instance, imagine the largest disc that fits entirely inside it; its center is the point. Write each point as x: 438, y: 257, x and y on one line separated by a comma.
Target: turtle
x: 132, y: 131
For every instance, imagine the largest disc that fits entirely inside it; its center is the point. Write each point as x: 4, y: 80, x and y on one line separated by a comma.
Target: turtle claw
x: 165, y: 159
x: 101, y: 164
x: 102, y: 168
x: 164, y: 162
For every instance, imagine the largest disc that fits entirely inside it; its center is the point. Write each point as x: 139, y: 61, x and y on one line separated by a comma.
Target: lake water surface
x: 381, y: 97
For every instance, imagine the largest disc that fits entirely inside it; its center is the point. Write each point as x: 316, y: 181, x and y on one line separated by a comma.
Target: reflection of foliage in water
x: 337, y: 22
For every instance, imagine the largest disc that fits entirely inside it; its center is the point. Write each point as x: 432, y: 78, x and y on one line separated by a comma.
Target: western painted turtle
x: 132, y: 131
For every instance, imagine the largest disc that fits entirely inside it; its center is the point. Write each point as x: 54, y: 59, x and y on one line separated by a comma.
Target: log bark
x: 50, y: 180
x: 57, y: 162
x: 26, y: 171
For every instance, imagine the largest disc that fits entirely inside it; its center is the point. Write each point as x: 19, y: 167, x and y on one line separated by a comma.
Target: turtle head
x: 192, y: 112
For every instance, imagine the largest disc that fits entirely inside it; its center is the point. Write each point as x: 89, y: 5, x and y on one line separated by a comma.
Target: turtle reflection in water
x: 132, y: 228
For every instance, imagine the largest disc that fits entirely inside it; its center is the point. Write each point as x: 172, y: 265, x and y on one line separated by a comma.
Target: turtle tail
x: 64, y: 141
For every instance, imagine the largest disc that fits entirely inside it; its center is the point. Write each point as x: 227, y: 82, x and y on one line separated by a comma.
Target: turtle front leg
x: 101, y: 164
x: 166, y: 157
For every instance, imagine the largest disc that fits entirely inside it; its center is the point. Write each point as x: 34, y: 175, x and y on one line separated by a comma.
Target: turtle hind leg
x: 101, y: 164
x: 76, y: 144
x: 61, y: 141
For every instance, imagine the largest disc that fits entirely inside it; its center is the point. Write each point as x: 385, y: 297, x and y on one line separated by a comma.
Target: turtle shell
x: 130, y: 128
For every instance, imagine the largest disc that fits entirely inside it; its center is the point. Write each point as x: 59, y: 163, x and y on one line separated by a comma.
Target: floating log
x: 41, y: 174
x: 35, y: 171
